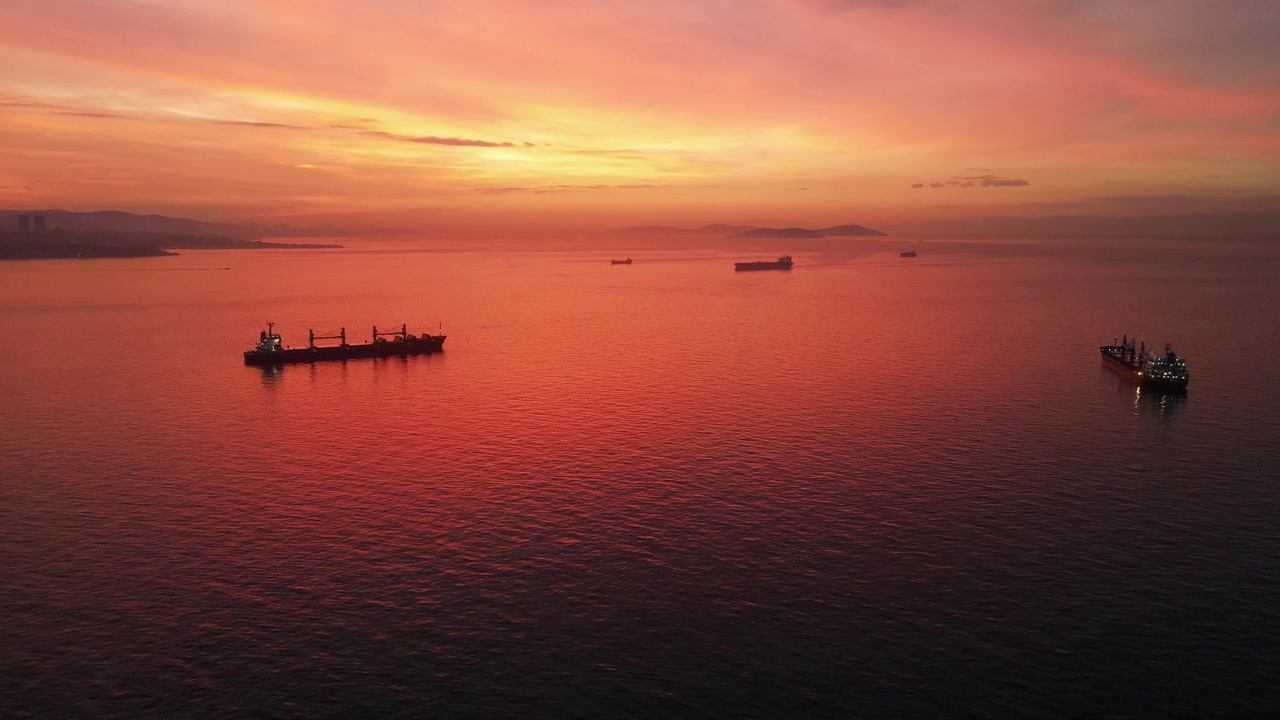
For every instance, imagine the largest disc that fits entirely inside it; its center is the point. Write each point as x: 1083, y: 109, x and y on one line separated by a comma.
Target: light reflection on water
x: 1160, y: 408
x: 865, y: 487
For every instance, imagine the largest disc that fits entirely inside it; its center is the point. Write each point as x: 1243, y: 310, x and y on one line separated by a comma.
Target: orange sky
x: 613, y: 112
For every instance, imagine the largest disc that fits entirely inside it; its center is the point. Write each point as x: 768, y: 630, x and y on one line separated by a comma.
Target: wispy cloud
x: 252, y: 123
x: 101, y: 115
x: 560, y: 188
x: 433, y: 140
x: 968, y: 181
x: 993, y: 181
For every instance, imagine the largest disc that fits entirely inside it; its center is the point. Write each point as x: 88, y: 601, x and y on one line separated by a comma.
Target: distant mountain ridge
x: 712, y: 229
x: 111, y: 233
x: 792, y: 232
x: 1241, y: 223
x: 117, y: 221
x: 747, y: 231
x: 849, y: 231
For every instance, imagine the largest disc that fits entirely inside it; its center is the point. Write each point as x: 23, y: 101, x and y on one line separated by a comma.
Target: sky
x: 612, y: 113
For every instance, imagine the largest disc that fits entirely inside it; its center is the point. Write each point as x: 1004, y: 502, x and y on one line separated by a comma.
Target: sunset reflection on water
x: 664, y: 486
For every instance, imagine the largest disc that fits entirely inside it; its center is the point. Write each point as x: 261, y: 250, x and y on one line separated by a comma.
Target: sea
x: 871, y: 486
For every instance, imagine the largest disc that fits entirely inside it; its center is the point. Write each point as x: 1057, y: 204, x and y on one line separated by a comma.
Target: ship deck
x: 393, y: 348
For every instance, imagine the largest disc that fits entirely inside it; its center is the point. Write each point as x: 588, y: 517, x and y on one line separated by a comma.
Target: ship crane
x: 402, y: 333
x: 312, y: 337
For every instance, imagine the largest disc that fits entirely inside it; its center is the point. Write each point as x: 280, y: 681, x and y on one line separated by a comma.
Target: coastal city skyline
x: 603, y: 114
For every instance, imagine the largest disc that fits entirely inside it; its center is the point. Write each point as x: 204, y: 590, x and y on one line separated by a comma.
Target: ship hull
x: 1114, y: 358
x: 393, y: 348
x: 742, y: 267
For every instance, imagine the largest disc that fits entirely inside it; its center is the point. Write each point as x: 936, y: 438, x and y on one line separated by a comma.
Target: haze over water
x: 871, y: 486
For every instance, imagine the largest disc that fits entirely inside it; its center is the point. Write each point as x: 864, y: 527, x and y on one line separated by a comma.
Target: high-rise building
x: 24, y: 223
x: 39, y: 223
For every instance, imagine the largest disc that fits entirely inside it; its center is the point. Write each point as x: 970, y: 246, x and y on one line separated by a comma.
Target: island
x: 849, y: 231
x: 746, y: 231
x: 793, y: 232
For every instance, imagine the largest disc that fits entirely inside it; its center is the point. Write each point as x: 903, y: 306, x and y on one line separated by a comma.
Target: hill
x: 1239, y: 224
x: 794, y: 232
x: 750, y: 231
x: 849, y: 231
x: 723, y: 229
x: 712, y: 229
x: 115, y: 221
x: 118, y: 222
x: 111, y: 233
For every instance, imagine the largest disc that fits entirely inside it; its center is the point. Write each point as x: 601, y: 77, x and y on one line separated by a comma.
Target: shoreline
x: 56, y: 250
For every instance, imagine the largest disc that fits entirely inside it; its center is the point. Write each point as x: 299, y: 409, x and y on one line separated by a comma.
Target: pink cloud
x: 708, y: 100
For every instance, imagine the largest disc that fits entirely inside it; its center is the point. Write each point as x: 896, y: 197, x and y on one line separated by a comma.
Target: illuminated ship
x: 620, y: 262
x: 1162, y: 372
x: 271, y: 351
x: 782, y: 263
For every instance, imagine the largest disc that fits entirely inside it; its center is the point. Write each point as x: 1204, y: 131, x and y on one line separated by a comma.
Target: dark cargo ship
x: 271, y: 351
x: 1161, y: 372
x: 782, y: 263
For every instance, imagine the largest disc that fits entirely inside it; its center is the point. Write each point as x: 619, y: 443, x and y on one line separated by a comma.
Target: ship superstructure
x: 1159, y: 370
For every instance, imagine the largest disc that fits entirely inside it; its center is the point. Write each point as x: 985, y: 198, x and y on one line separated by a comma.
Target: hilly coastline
x: 793, y: 232
x: 1262, y: 223
x: 746, y: 231
x: 118, y: 221
x: 720, y: 229
x: 35, y: 234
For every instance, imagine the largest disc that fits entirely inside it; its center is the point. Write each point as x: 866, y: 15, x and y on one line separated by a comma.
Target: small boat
x: 1162, y: 372
x: 620, y: 262
x: 782, y: 263
x: 909, y: 253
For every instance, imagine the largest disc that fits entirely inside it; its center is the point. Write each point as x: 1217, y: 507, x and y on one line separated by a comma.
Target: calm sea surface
x: 869, y: 487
